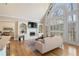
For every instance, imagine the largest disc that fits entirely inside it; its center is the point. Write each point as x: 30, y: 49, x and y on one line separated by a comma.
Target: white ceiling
x: 33, y: 11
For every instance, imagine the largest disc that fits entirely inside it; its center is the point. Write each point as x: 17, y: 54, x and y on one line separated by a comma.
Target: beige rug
x: 30, y: 44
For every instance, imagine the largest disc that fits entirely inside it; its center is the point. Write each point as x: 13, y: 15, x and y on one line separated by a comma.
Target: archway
x: 23, y: 28
x: 23, y: 31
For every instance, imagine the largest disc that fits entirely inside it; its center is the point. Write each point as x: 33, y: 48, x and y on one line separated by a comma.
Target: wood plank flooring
x: 22, y: 49
x: 19, y: 49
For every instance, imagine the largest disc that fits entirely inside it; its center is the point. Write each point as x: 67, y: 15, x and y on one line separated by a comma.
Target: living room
x: 18, y: 22
x: 50, y: 30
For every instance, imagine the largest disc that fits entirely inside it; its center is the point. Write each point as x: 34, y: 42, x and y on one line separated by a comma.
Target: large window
x: 63, y: 18
x: 57, y: 10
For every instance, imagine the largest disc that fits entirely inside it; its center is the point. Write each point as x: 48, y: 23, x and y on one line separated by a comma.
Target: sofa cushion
x: 41, y: 40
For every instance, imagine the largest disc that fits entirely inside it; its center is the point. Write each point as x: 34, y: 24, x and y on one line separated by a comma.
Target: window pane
x: 72, y: 18
x: 58, y: 12
x: 71, y: 7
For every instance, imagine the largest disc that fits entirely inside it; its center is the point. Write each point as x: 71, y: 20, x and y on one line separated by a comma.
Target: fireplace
x: 32, y: 33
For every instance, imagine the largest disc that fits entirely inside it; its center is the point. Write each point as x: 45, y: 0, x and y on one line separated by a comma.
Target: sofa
x: 3, y: 42
x: 49, y: 43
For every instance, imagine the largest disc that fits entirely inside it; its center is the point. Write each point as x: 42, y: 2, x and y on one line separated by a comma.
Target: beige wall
x: 43, y: 26
x: 6, y: 24
x: 32, y: 11
x: 9, y: 22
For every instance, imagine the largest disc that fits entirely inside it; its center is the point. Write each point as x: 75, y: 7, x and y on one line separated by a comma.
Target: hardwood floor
x: 19, y: 49
x: 22, y: 49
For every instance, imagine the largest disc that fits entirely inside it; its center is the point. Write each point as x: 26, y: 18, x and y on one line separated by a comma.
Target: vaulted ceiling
x: 34, y: 11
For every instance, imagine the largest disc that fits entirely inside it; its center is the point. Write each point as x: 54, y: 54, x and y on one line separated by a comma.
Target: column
x: 65, y: 17
x: 77, y: 25
x: 16, y: 30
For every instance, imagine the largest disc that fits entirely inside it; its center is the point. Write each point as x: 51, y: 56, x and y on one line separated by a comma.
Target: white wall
x: 7, y: 22
x: 34, y: 11
x: 27, y: 35
x: 36, y: 30
x: 4, y: 24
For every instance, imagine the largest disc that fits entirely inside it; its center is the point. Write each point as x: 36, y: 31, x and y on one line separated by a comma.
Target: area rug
x: 30, y: 44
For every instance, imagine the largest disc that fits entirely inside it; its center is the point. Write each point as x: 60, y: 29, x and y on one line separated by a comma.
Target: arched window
x: 57, y: 10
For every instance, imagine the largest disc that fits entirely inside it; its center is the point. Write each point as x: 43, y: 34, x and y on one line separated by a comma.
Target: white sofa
x: 3, y: 41
x: 49, y: 43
